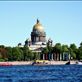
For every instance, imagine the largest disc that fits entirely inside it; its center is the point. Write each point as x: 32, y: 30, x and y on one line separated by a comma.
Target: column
x: 39, y: 38
x: 46, y: 56
x: 69, y: 56
x: 52, y: 56
x: 60, y: 57
x: 39, y: 55
x: 49, y: 56
x: 63, y: 56
x: 43, y: 56
x: 57, y: 56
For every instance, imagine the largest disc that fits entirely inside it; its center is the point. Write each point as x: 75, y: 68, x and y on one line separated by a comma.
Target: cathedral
x: 38, y: 38
x: 38, y: 41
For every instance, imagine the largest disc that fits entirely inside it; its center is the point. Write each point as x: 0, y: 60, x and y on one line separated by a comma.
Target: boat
x: 40, y: 62
x: 68, y: 63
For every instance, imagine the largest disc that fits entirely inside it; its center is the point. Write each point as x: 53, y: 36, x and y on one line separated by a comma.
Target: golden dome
x: 38, y: 27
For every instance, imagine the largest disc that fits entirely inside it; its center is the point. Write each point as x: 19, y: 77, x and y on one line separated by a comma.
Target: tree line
x: 25, y: 54
x: 16, y: 54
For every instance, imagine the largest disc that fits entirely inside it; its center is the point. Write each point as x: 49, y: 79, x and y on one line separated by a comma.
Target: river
x: 51, y: 73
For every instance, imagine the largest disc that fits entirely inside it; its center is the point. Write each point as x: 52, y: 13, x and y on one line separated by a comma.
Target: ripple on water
x: 55, y: 73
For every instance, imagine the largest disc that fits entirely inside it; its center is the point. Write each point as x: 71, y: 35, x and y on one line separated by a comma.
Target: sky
x: 62, y: 21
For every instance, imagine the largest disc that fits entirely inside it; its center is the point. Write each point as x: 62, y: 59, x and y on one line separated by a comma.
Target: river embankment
x: 30, y: 62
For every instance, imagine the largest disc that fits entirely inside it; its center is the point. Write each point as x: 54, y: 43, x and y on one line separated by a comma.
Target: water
x: 53, y: 73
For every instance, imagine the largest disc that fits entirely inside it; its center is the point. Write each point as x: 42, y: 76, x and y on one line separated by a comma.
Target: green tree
x: 17, y: 53
x: 65, y: 48
x: 35, y: 56
x: 73, y: 50
x: 80, y: 51
x: 9, y: 53
x: 73, y: 47
x: 65, y: 52
x: 45, y: 51
x: 27, y: 54
x: 2, y: 46
x: 81, y: 44
x: 57, y: 48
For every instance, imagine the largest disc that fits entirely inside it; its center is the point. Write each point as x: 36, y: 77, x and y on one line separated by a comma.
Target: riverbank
x: 30, y: 63
x: 61, y: 62
x: 15, y: 63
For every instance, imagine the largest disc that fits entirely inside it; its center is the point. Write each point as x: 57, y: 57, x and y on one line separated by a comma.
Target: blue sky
x: 62, y: 21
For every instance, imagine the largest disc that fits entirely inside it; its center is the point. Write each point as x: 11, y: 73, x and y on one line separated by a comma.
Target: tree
x: 3, y: 53
x: 65, y: 48
x: 29, y: 56
x: 80, y: 51
x: 73, y: 50
x: 17, y: 53
x: 35, y: 55
x: 9, y: 53
x: 57, y: 48
x: 19, y: 44
x: 65, y: 52
x: 81, y: 44
x: 2, y: 46
x: 45, y: 50
x: 73, y: 47
x: 27, y: 53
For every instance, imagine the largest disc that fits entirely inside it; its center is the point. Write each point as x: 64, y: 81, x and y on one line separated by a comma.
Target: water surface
x: 52, y: 73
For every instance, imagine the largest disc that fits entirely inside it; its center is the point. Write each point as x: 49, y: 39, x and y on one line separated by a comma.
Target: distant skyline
x: 62, y: 21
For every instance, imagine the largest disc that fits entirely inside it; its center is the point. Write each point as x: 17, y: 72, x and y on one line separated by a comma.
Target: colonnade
x: 55, y: 57
x: 51, y: 57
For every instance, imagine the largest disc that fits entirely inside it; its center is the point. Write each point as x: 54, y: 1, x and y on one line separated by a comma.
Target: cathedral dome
x: 38, y: 27
x: 38, y: 34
